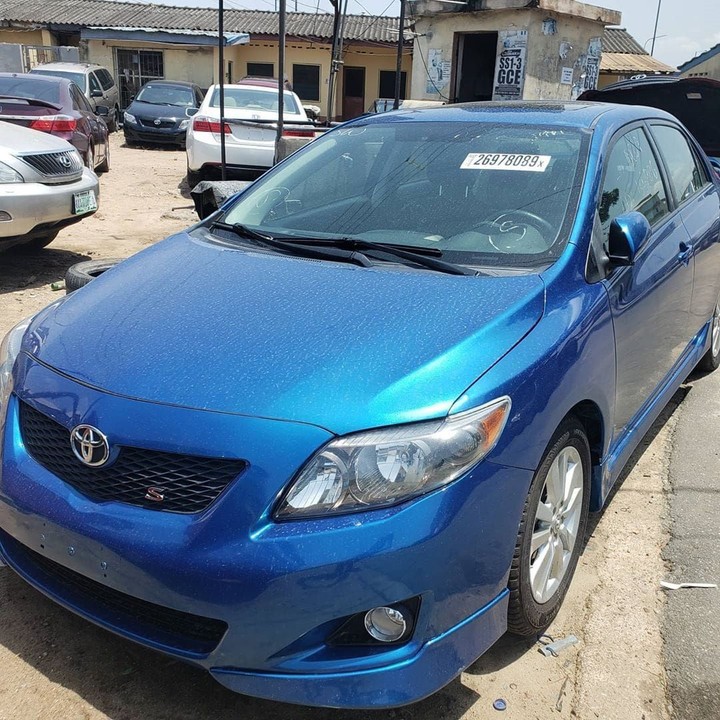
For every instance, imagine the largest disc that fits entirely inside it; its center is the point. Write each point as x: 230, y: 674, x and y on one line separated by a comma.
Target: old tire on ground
x: 80, y: 274
x: 552, y: 531
x: 711, y: 359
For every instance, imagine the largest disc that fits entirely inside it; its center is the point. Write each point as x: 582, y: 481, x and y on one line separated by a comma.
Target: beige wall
x: 180, y: 62
x: 26, y: 37
x: 544, y: 64
x: 710, y: 68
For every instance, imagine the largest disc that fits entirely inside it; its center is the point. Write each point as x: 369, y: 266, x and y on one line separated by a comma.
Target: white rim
x: 716, y: 331
x: 556, y: 524
x: 91, y: 158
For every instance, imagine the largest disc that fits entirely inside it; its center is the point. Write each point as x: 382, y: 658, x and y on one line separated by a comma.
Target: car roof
x: 68, y: 66
x: 569, y: 114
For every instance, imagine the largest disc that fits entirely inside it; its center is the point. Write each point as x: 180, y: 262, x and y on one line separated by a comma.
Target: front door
x: 650, y: 300
x: 353, y: 92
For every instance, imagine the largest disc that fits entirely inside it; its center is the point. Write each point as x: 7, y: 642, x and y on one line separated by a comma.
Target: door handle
x: 686, y: 252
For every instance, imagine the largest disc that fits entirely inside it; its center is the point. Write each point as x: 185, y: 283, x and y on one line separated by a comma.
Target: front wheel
x: 551, y: 531
x: 711, y: 360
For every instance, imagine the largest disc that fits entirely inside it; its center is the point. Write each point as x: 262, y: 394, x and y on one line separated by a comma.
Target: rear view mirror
x: 191, y: 111
x: 96, y: 93
x: 102, y: 111
x: 628, y: 233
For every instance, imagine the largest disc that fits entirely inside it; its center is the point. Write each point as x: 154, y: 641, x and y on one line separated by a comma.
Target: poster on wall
x: 438, y: 74
x: 510, y: 65
x: 589, y: 66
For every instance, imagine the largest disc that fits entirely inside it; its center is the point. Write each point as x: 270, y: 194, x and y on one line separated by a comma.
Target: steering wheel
x: 510, y: 227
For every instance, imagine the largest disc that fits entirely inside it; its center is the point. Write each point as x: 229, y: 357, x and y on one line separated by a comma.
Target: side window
x: 94, y: 83
x: 83, y: 103
x: 686, y: 176
x: 632, y: 182
x: 74, y: 94
x: 105, y: 79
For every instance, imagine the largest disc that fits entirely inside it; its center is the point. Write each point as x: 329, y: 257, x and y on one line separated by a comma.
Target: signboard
x: 566, y: 78
x: 510, y: 65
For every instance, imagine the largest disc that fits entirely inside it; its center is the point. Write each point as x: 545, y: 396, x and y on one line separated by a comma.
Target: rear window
x: 251, y: 99
x: 78, y: 78
x: 31, y: 89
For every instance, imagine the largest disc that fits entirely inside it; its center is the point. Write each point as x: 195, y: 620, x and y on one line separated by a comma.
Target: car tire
x: 36, y: 243
x: 90, y: 158
x: 194, y: 177
x: 113, y: 122
x: 80, y: 274
x: 536, y: 595
x: 105, y: 164
x: 711, y: 359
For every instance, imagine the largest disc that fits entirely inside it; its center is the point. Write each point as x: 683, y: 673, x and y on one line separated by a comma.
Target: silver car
x: 44, y: 187
x: 95, y: 81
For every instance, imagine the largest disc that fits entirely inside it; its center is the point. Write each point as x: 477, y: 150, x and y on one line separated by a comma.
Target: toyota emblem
x: 90, y: 446
x: 157, y: 121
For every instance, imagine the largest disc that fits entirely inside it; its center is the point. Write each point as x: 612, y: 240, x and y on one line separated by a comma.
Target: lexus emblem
x: 65, y: 161
x: 89, y: 445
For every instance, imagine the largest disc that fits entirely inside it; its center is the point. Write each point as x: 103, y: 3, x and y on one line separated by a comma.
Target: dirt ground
x: 56, y: 665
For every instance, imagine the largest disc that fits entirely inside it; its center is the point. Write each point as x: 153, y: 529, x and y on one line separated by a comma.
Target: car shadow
x: 124, y: 681
x: 22, y: 269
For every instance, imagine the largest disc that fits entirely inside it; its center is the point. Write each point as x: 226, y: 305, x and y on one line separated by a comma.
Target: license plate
x: 84, y: 202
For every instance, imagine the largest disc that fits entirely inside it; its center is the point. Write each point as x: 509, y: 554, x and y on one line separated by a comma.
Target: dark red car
x: 56, y: 106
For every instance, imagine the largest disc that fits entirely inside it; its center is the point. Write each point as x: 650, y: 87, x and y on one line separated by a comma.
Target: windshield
x: 78, y: 78
x: 167, y: 95
x: 251, y: 99
x: 482, y: 193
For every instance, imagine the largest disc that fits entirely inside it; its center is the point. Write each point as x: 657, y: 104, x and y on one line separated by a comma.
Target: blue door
x: 650, y: 300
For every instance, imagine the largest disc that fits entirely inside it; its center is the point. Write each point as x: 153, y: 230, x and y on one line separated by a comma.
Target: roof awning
x: 171, y: 37
x: 632, y: 63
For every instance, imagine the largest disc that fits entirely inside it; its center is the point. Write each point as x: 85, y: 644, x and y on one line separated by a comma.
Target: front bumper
x: 142, y: 133
x: 280, y: 588
x: 33, y: 205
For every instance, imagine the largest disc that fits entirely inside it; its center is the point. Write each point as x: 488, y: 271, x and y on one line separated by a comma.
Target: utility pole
x: 401, y: 43
x: 221, y: 79
x: 657, y: 19
x: 281, y: 73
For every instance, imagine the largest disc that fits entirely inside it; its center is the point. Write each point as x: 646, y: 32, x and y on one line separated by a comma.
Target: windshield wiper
x: 346, y: 247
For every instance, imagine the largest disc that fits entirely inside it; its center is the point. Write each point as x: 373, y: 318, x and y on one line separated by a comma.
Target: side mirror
x: 627, y: 235
x: 96, y: 93
x: 191, y: 111
x: 102, y: 111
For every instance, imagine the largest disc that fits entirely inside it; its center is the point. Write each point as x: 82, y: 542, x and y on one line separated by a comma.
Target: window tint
x: 306, y: 81
x: 250, y: 99
x: 25, y: 87
x: 686, y: 177
x: 632, y: 181
x: 94, y: 83
x: 105, y: 79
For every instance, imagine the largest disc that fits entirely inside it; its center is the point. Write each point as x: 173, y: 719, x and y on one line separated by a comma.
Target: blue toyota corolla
x: 332, y: 442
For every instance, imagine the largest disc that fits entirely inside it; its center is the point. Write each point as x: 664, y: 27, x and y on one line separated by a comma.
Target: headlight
x: 129, y: 118
x: 384, y: 467
x: 9, y: 349
x: 8, y: 175
x: 184, y: 123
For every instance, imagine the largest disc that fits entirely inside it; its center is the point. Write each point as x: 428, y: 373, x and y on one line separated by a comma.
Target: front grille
x: 149, y: 122
x: 188, y: 483
x: 55, y: 164
x: 181, y: 630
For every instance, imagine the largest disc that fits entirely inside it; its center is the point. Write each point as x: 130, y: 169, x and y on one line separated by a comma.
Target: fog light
x: 385, y: 624
x: 5, y: 216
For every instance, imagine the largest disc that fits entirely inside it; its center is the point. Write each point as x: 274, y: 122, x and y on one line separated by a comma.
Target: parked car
x: 56, y: 106
x: 693, y: 101
x: 44, y: 187
x: 95, y: 81
x: 250, y: 145
x: 381, y: 105
x: 161, y: 111
x: 372, y: 398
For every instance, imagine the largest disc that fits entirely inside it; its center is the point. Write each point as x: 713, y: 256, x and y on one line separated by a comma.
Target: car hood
x: 693, y: 101
x: 201, y: 325
x: 148, y: 110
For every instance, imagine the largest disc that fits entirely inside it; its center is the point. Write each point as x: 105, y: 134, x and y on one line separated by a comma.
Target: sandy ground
x: 55, y: 665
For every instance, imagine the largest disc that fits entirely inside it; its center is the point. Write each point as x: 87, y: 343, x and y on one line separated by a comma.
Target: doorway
x: 353, y: 92
x: 474, y: 63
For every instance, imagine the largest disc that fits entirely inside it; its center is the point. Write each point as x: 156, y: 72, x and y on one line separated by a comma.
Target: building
x: 705, y: 65
x: 623, y: 57
x: 507, y: 49
x: 145, y: 42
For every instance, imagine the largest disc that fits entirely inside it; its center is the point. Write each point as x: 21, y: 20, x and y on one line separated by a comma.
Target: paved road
x: 692, y: 624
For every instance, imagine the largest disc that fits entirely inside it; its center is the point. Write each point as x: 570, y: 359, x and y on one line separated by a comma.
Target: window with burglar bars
x: 135, y: 68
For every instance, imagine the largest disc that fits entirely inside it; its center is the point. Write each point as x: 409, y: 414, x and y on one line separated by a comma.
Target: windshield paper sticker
x: 506, y: 161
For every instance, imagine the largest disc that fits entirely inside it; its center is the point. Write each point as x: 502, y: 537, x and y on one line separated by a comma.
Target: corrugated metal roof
x: 690, y: 64
x: 84, y: 13
x: 619, y: 40
x: 632, y: 63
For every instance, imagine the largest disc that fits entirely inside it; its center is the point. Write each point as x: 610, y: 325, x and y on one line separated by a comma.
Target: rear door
x: 650, y: 300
